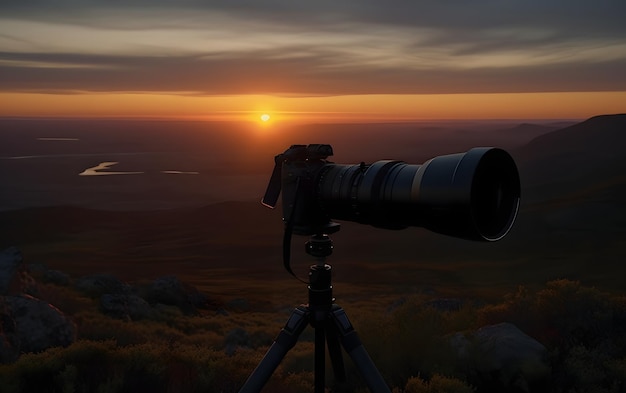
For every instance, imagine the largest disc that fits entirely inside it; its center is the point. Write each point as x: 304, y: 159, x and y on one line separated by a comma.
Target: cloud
x: 308, y: 48
x: 601, y: 17
x: 307, y: 74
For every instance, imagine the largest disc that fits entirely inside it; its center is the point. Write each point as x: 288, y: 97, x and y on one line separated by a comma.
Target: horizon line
x: 211, y: 119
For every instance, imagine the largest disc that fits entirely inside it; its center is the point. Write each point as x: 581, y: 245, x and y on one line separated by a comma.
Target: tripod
x: 331, y: 325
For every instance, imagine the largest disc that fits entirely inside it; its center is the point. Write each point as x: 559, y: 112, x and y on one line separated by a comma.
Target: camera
x: 473, y: 195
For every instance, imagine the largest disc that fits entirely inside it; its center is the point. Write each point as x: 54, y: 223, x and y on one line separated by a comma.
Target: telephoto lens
x: 473, y: 195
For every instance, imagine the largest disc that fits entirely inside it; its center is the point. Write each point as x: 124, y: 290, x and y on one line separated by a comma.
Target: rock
x: 56, y: 277
x: 9, y: 341
x: 27, y: 324
x: 99, y: 284
x: 37, y: 268
x: 170, y: 291
x: 38, y: 324
x: 10, y: 261
x: 461, y: 345
x: 129, y: 307
x: 503, y: 358
x: 14, y: 275
x: 27, y: 284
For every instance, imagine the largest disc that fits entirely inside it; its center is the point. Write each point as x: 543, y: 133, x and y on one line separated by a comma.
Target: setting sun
x: 265, y: 117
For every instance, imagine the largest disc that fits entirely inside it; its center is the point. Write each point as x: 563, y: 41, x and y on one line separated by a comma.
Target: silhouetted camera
x: 473, y: 195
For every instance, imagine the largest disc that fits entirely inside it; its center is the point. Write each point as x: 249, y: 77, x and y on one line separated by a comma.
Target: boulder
x: 9, y: 340
x: 503, y: 358
x: 171, y: 291
x: 10, y: 261
x: 27, y: 324
x: 128, y: 307
x: 38, y: 324
x: 97, y: 285
x: 56, y: 277
x: 15, y: 278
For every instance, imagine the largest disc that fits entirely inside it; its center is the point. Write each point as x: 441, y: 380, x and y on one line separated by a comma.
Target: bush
x: 585, y: 370
x: 564, y: 314
x: 104, y: 367
x: 412, y: 340
x: 437, y: 384
x: 582, y: 327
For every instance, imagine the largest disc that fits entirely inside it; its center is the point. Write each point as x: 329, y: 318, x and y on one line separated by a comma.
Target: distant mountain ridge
x: 575, y: 157
x: 530, y: 129
x: 602, y: 133
x: 574, y: 189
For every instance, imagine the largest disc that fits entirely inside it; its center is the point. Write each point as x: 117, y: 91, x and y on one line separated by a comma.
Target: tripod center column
x: 320, y: 288
x: 320, y: 291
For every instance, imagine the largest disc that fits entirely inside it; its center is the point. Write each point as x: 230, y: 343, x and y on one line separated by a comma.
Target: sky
x: 319, y: 60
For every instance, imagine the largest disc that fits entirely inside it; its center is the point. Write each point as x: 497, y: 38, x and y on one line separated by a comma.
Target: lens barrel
x: 473, y: 195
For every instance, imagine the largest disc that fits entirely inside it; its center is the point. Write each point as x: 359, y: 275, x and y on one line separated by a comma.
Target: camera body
x: 302, y: 166
x: 473, y: 195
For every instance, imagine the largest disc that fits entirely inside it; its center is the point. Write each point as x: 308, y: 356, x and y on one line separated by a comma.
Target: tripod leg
x: 286, y: 339
x: 355, y: 349
x: 336, y: 358
x: 320, y: 360
x: 329, y: 333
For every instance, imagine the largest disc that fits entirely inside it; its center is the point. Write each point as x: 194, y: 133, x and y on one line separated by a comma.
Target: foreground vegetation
x: 583, y: 329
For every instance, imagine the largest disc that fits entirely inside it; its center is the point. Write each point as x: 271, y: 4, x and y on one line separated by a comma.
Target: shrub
x: 440, y: 384
x: 437, y: 384
x: 416, y: 385
x: 299, y: 382
x: 58, y: 369
x: 104, y: 367
x: 564, y: 314
x: 582, y: 327
x: 592, y: 370
x: 411, y: 340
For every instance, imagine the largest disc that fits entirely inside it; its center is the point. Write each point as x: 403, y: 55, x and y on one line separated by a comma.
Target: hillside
x: 576, y: 159
x: 575, y: 178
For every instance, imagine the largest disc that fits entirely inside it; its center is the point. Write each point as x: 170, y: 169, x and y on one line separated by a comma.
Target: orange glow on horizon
x: 349, y: 108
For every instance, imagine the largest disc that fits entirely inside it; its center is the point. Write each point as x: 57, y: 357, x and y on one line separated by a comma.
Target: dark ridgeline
x: 583, y: 157
x: 577, y: 175
x: 573, y: 215
x: 521, y: 133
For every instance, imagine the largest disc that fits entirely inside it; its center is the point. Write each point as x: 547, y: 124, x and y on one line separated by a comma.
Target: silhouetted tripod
x: 331, y: 326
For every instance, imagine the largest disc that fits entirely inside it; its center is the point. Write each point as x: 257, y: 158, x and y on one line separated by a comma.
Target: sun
x: 265, y: 120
